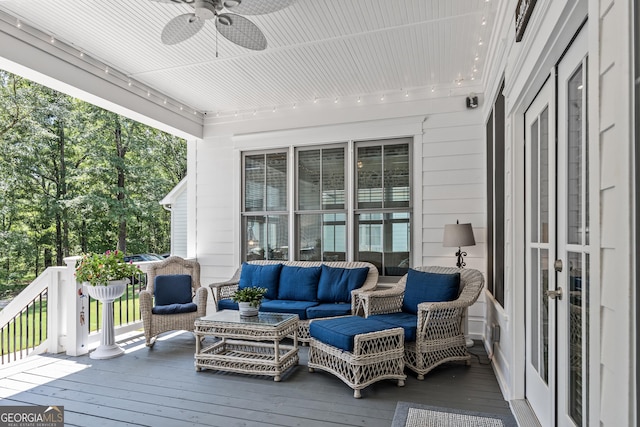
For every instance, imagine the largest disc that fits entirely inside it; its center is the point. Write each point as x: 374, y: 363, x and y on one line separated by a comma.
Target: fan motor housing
x: 207, y: 9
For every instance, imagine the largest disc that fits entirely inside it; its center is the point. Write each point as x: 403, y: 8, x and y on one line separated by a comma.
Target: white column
x: 75, y: 335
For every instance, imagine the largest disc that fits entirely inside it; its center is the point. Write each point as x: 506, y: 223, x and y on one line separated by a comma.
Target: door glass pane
x: 322, y: 237
x: 544, y: 176
x: 266, y: 237
x: 535, y: 286
x: 276, y: 182
x: 544, y: 315
x: 534, y: 182
x: 576, y: 334
x: 575, y: 159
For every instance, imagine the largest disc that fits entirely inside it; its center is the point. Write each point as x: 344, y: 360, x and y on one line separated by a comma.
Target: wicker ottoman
x: 358, y: 351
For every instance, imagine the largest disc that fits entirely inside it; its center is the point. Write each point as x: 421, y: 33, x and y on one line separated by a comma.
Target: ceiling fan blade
x: 181, y: 28
x: 256, y: 7
x: 241, y: 31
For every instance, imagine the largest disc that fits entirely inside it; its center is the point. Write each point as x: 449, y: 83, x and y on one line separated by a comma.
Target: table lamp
x: 458, y: 235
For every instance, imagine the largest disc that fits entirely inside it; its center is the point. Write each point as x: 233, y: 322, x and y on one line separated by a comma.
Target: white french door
x: 540, y: 254
x: 557, y: 249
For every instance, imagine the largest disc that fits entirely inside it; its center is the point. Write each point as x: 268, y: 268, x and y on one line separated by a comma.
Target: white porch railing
x: 51, y: 315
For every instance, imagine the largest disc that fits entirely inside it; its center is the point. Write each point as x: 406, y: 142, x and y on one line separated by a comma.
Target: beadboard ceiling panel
x: 322, y: 50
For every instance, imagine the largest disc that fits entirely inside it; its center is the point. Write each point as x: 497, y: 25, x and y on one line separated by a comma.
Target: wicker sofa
x: 434, y: 335
x: 307, y: 303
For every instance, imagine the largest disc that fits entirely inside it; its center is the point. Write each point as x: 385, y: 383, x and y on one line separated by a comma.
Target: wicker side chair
x: 439, y: 334
x: 155, y: 324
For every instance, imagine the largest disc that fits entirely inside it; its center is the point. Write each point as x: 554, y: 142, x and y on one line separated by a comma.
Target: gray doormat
x: 415, y: 415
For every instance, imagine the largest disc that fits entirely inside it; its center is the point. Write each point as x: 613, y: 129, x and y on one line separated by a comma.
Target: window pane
x: 267, y: 237
x: 277, y: 182
x: 322, y: 237
x: 309, y: 179
x: 333, y: 182
x: 396, y: 175
x: 321, y: 172
x: 254, y: 183
x: 369, y: 167
x: 384, y: 240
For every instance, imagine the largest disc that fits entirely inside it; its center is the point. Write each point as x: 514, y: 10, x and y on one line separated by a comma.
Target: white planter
x: 106, y: 295
x: 246, y: 310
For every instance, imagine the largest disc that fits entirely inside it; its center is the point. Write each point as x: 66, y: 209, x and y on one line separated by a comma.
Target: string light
x: 382, y: 97
x: 53, y: 40
x: 315, y: 100
x: 480, y: 42
x: 18, y: 24
x: 359, y: 100
x: 335, y: 101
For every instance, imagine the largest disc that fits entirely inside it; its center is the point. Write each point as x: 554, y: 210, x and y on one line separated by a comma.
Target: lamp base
x: 460, y: 254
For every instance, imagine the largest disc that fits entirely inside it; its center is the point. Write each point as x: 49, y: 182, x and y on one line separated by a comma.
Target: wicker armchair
x: 155, y: 324
x: 439, y: 335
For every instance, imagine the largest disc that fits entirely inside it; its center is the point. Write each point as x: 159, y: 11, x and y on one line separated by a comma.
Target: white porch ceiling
x: 317, y: 49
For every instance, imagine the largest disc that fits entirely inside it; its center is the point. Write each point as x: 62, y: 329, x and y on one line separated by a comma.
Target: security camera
x: 472, y: 101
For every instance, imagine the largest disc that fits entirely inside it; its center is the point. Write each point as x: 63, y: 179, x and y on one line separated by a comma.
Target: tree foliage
x: 75, y: 178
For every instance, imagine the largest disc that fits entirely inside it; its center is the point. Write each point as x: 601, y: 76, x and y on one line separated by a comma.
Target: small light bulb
x: 335, y: 101
x: 295, y: 105
x: 406, y: 94
x: 484, y: 21
x: 148, y: 93
x: 480, y: 43
x: 19, y: 24
x: 165, y: 102
x: 53, y: 40
x: 106, y: 70
x: 315, y: 100
x: 274, y: 110
x: 382, y: 98
x: 129, y: 83
x: 181, y: 108
x: 359, y: 100
x: 81, y: 54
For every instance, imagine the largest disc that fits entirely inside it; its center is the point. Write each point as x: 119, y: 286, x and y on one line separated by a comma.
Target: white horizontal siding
x: 179, y: 225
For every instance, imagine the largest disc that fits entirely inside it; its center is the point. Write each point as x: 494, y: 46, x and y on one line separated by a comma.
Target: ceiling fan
x: 232, y: 26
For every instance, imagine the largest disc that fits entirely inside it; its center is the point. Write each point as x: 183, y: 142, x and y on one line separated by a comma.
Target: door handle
x: 553, y: 294
x: 557, y: 265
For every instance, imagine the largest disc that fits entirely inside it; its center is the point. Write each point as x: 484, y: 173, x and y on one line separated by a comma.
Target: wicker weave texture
x: 376, y: 356
x: 440, y: 336
x: 224, y: 290
x: 246, y: 348
x: 155, y: 324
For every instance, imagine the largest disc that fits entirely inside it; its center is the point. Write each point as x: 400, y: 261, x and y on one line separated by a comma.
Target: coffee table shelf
x: 247, y: 345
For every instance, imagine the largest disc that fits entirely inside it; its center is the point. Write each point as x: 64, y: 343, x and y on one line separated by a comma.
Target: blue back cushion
x: 336, y: 284
x: 299, y: 283
x: 263, y: 276
x: 172, y: 289
x: 423, y: 286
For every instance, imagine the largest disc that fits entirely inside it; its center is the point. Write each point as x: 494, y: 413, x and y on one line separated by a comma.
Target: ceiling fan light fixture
x: 231, y: 3
x: 225, y: 20
x: 205, y: 9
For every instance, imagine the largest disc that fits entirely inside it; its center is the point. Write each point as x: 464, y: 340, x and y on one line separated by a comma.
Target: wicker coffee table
x: 247, y: 345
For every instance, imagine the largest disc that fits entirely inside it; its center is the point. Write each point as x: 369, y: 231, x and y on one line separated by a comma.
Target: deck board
x: 160, y: 386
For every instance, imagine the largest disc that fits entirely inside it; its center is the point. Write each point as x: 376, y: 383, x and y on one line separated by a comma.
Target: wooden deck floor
x: 160, y: 387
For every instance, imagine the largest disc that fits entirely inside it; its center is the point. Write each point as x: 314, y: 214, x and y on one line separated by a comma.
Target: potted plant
x: 249, y: 300
x: 100, y: 269
x: 105, y: 277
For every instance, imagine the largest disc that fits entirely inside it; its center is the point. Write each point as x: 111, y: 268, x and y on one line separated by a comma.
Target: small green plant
x: 253, y: 295
x: 99, y: 269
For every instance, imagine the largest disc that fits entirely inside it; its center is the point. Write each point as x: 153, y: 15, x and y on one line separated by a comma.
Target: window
x: 321, y: 215
x: 383, y: 202
x: 265, y: 220
x: 337, y: 216
x: 495, y: 137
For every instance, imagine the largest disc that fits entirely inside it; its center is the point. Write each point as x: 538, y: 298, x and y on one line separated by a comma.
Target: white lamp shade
x: 456, y: 235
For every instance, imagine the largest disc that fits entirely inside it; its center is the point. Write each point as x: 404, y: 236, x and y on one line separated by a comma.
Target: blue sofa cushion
x: 263, y: 276
x: 329, y: 310
x: 172, y: 289
x: 288, y: 306
x: 189, y: 307
x: 406, y: 321
x: 423, y: 286
x: 340, y: 332
x: 336, y: 284
x: 299, y: 283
